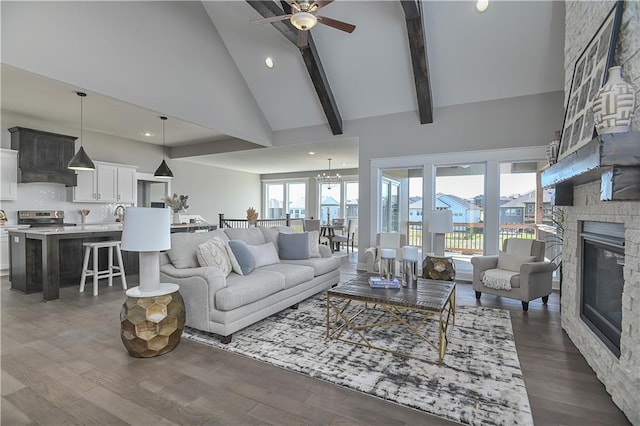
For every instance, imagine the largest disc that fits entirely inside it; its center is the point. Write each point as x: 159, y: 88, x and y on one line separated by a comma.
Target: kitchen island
x: 45, y: 259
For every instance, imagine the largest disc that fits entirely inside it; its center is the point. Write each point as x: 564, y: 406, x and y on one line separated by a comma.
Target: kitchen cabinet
x: 4, y: 252
x: 9, y: 170
x: 108, y: 183
x: 127, y: 184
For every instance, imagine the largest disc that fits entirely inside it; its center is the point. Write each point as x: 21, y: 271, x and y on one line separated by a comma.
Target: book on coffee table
x: 378, y: 282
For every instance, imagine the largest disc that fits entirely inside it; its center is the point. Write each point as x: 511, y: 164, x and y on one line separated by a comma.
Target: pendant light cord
x: 82, y: 95
x: 81, y: 126
x: 164, y: 119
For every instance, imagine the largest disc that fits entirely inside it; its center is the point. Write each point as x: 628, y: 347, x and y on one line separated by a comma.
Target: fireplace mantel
x: 613, y: 159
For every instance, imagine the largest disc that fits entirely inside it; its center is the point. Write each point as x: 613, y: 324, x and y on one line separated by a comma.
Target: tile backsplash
x: 53, y: 196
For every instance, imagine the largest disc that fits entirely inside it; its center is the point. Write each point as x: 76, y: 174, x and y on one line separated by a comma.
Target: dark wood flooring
x: 63, y: 363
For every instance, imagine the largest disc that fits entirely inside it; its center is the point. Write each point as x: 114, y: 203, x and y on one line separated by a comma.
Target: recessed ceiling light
x: 147, y: 134
x: 268, y: 62
x: 344, y: 164
x: 482, y: 5
x: 312, y: 153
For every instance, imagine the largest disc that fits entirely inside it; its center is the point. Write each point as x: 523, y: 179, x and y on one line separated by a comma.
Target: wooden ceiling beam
x: 311, y: 60
x: 419, y: 61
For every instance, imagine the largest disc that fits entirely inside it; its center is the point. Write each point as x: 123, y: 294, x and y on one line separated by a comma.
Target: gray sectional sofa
x: 224, y: 305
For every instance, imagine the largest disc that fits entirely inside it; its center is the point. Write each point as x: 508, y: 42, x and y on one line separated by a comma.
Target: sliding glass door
x: 460, y: 188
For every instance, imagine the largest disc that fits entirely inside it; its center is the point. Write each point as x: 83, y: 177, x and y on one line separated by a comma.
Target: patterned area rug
x: 480, y: 381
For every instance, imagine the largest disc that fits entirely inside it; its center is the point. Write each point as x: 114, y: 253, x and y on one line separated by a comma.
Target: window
x: 284, y: 197
x: 330, y: 201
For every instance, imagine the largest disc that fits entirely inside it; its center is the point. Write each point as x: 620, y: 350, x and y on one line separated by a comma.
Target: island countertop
x: 63, y: 230
x: 101, y: 227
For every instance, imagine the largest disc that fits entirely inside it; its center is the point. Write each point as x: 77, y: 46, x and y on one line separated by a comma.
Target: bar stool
x: 106, y: 273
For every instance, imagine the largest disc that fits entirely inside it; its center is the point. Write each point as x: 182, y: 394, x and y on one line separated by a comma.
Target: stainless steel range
x: 42, y: 218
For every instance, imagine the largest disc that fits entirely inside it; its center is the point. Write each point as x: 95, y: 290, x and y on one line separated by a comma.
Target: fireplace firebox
x: 603, y: 280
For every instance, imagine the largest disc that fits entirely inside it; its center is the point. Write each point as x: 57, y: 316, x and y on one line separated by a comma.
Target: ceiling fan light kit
x: 304, y: 16
x: 303, y: 21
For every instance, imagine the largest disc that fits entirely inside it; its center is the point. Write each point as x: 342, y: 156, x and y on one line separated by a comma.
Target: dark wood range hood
x: 43, y: 156
x: 613, y: 159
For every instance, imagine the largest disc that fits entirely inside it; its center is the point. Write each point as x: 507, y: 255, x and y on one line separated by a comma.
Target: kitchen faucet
x: 119, y: 213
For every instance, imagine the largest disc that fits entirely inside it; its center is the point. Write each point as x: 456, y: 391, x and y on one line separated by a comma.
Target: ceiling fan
x: 304, y: 16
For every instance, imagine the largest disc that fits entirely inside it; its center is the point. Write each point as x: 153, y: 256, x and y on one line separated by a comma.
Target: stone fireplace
x: 620, y: 373
x: 602, y: 280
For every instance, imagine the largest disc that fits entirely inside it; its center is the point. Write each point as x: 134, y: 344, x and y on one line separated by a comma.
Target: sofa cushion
x: 264, y: 254
x: 251, y: 236
x: 184, y: 245
x: 214, y: 253
x: 293, y: 246
x: 321, y: 266
x: 293, y: 274
x: 270, y: 235
x: 511, y: 262
x: 314, y: 239
x: 244, y: 262
x: 242, y: 290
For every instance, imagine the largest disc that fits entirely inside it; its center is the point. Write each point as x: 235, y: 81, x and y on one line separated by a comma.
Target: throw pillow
x: 314, y: 248
x: 264, y: 254
x: 510, y: 262
x: 214, y: 253
x: 242, y: 261
x: 294, y: 246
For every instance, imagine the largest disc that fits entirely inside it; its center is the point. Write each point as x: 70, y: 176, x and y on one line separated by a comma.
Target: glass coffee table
x: 413, y: 309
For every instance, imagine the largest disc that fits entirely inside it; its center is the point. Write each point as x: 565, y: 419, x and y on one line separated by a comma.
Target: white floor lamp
x: 147, y: 231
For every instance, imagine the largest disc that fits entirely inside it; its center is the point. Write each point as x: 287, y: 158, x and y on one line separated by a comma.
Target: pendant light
x: 163, y: 170
x: 81, y: 160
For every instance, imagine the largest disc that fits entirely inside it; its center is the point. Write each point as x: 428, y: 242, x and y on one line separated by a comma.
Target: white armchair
x: 384, y: 240
x: 519, y: 271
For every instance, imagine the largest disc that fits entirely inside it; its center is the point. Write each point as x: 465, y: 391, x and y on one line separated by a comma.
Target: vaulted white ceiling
x: 515, y: 48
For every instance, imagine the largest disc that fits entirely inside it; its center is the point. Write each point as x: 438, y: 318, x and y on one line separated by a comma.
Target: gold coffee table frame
x: 430, y: 298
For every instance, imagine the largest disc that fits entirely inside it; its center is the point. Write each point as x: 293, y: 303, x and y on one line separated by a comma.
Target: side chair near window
x: 314, y: 225
x: 345, y: 238
x: 519, y: 271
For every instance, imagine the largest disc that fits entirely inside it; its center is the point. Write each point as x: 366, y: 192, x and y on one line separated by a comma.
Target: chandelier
x: 327, y: 179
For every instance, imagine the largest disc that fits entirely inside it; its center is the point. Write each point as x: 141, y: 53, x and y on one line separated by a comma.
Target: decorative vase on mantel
x: 614, y: 104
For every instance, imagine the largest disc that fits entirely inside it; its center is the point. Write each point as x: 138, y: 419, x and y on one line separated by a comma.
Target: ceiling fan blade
x: 339, y: 25
x: 270, y: 19
x: 322, y: 3
x: 302, y: 38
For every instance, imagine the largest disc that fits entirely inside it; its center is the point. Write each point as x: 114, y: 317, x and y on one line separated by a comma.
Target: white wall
x: 165, y: 55
x: 212, y: 190
x: 505, y: 123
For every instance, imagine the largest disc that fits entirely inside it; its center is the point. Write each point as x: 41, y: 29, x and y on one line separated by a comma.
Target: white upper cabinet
x: 108, y: 183
x: 9, y: 171
x: 127, y: 185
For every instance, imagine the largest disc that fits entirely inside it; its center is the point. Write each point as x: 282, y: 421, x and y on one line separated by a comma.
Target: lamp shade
x: 441, y: 221
x: 81, y: 161
x: 146, y: 229
x: 163, y: 171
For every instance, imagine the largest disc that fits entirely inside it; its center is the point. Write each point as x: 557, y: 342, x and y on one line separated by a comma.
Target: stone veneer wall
x: 621, y: 377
